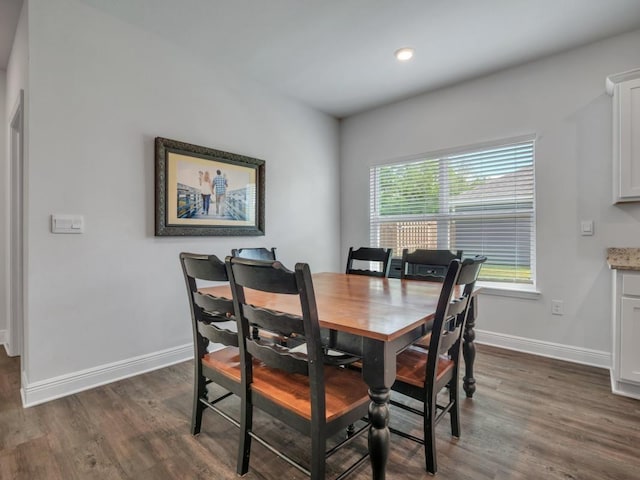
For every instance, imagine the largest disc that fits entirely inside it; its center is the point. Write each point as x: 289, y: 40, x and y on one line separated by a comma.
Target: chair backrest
x: 381, y: 256
x: 273, y: 277
x: 429, y: 265
x: 255, y: 253
x: 207, y: 310
x: 452, y: 310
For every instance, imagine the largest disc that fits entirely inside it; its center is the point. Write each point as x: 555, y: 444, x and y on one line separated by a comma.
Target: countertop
x: 623, y: 258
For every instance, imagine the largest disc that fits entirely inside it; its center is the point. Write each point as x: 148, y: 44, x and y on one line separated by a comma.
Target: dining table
x: 374, y: 318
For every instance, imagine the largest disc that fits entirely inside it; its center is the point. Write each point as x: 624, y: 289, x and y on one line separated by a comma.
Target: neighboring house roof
x: 500, y: 189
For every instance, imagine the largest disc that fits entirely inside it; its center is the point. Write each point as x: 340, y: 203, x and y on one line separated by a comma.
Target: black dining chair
x: 297, y: 388
x: 379, y: 256
x: 426, y: 264
x: 421, y: 374
x: 367, y: 255
x: 212, y: 320
x: 256, y: 253
x: 259, y: 253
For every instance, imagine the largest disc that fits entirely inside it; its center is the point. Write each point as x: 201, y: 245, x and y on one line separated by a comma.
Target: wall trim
x: 52, y: 388
x: 623, y: 388
x: 46, y: 390
x: 569, y: 353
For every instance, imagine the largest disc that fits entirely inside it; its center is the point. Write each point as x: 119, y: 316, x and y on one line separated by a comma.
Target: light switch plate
x: 586, y: 227
x: 66, y: 223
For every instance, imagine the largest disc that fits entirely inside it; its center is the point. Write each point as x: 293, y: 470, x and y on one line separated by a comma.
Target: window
x: 480, y: 201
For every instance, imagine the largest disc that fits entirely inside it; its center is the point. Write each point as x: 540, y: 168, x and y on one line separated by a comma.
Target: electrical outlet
x: 557, y: 307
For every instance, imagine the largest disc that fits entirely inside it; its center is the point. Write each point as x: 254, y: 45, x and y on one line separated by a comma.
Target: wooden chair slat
x: 276, y: 280
x: 278, y: 322
x: 260, y: 253
x: 278, y: 356
x: 218, y: 309
x: 469, y: 272
x: 382, y: 256
x: 217, y: 334
x: 426, y: 264
x: 457, y: 306
x: 447, y: 341
x: 204, y: 267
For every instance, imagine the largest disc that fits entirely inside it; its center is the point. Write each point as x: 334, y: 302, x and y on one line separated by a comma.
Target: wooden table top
x: 378, y: 308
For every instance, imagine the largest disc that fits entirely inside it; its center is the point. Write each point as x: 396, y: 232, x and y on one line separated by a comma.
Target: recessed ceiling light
x: 404, y: 54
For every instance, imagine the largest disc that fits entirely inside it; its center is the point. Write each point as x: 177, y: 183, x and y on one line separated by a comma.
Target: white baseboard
x: 568, y: 353
x: 4, y: 340
x: 628, y: 389
x: 52, y: 388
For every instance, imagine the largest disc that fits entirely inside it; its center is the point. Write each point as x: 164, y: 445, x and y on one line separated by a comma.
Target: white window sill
x: 529, y: 292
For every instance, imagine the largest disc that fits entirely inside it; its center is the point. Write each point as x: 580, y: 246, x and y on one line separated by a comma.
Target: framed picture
x: 202, y: 191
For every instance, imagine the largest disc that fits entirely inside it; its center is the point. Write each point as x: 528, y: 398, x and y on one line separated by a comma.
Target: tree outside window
x: 480, y: 201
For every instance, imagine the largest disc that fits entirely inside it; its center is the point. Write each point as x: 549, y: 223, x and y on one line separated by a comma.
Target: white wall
x: 562, y: 99
x: 4, y: 156
x: 100, y: 91
x: 111, y: 302
x: 16, y: 80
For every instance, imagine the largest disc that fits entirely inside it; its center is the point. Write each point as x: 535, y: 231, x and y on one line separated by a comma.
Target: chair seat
x: 411, y: 365
x: 344, y: 390
x: 423, y: 342
x: 226, y: 361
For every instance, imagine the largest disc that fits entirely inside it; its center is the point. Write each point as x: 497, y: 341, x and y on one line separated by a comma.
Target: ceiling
x: 337, y: 55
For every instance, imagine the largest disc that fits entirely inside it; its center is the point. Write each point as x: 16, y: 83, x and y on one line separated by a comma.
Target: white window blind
x: 481, y: 201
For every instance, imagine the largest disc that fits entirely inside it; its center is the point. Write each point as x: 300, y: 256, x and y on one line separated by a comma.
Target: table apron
x: 378, y: 356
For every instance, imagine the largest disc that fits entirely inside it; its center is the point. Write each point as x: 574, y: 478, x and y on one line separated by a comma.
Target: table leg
x: 379, y: 431
x: 379, y: 372
x: 469, y: 350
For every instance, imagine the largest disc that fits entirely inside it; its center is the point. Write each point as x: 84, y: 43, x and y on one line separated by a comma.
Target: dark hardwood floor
x: 531, y: 418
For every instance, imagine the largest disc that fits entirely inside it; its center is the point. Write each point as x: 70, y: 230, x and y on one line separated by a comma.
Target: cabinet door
x: 629, y: 137
x: 630, y: 339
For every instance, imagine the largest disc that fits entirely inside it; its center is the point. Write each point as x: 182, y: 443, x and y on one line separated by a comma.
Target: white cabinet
x: 625, y: 369
x: 625, y: 89
x: 629, y: 338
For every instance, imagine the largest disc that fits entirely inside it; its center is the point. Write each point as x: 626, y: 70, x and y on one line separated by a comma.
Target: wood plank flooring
x: 531, y: 418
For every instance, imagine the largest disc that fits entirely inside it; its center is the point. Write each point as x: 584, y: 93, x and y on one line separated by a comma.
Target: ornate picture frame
x: 201, y: 191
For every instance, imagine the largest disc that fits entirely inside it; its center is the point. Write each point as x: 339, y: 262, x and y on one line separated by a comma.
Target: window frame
x: 513, y: 288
